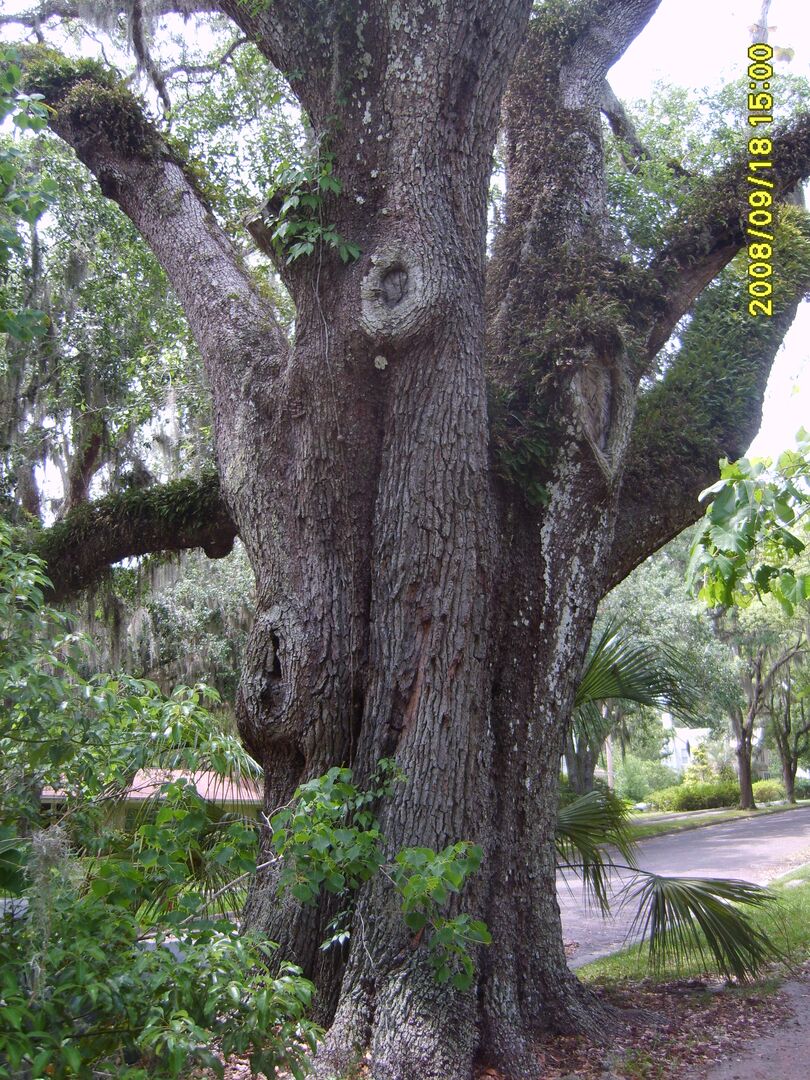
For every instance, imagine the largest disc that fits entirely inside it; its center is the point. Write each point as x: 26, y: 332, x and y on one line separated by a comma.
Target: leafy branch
x: 677, y: 916
x: 331, y: 840
x: 296, y: 206
x: 756, y: 525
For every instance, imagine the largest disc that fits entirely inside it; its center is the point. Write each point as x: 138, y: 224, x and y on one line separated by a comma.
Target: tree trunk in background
x: 789, y: 780
x: 743, y: 727
x: 579, y: 765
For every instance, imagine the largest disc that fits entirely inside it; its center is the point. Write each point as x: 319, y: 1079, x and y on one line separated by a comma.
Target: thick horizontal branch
x: 711, y: 229
x: 171, y: 517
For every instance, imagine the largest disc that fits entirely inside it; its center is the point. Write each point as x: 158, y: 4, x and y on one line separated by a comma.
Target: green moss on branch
x: 169, y: 517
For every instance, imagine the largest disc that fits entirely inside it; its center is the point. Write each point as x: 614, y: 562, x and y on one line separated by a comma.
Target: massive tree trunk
x: 429, y: 557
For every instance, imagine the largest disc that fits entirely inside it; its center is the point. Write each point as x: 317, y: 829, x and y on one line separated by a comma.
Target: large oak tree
x: 442, y: 473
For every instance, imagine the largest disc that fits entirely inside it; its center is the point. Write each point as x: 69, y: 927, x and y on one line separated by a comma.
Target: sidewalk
x: 784, y: 1055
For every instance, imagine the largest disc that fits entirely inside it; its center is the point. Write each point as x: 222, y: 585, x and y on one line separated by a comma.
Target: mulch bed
x: 667, y: 1031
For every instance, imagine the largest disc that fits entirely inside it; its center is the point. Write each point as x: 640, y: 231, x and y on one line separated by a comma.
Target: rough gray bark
x: 420, y: 595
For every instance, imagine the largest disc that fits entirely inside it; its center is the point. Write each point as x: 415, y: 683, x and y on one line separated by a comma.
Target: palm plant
x: 678, y: 917
x: 620, y: 668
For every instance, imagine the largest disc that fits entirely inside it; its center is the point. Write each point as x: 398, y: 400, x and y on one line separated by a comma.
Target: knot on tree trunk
x: 398, y: 295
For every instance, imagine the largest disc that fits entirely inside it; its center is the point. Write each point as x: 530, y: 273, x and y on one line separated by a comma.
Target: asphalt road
x: 753, y: 849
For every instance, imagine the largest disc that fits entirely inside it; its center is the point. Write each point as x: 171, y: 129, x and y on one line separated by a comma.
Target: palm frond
x: 681, y: 916
x: 620, y: 667
x: 589, y: 830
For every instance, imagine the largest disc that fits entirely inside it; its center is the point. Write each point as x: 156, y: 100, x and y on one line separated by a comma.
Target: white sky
x: 703, y: 43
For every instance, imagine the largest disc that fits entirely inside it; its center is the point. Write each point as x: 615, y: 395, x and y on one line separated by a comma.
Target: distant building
x: 243, y: 796
x: 681, y: 744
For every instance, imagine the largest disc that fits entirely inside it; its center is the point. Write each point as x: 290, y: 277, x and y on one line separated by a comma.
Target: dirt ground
x: 695, y: 1030
x: 782, y: 1055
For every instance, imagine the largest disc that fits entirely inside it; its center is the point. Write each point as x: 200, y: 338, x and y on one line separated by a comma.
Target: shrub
x: 769, y: 790
x: 801, y: 789
x: 90, y: 988
x: 700, y: 770
x: 636, y: 778
x: 698, y: 796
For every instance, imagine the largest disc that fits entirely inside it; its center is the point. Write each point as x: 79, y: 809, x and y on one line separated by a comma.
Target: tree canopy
x: 441, y: 430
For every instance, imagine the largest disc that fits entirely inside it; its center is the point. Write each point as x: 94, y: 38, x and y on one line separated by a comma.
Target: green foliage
x: 700, y: 769
x: 298, y: 224
x: 425, y: 880
x: 696, y: 796
x: 22, y: 199
x: 636, y: 778
x: 117, y: 965
x: 766, y: 791
x: 194, y: 627
x: 676, y: 915
x: 622, y: 670
x: 756, y: 524
x: 685, y: 135
x: 620, y: 667
x: 801, y: 788
x: 53, y: 75
x: 91, y: 983
x: 329, y: 837
x: 589, y: 830
x: 682, y: 915
x: 330, y: 840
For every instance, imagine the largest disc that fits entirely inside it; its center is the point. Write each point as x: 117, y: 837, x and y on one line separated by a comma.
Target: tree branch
x: 710, y: 230
x: 709, y: 404
x: 785, y: 658
x: 105, y: 124
x: 171, y: 517
x: 631, y: 147
x: 205, y: 69
x: 609, y: 29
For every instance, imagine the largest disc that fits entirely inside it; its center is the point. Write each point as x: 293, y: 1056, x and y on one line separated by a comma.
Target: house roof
x: 209, y: 785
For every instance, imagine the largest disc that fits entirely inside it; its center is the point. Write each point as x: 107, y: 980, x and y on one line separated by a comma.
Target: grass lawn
x: 641, y: 826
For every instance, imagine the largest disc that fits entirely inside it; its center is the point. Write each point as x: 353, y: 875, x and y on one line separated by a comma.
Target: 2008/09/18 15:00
x: 760, y: 199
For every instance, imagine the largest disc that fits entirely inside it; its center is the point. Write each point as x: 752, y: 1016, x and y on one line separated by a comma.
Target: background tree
x: 438, y: 476
x: 790, y: 719
x: 750, y: 547
x: 763, y: 653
